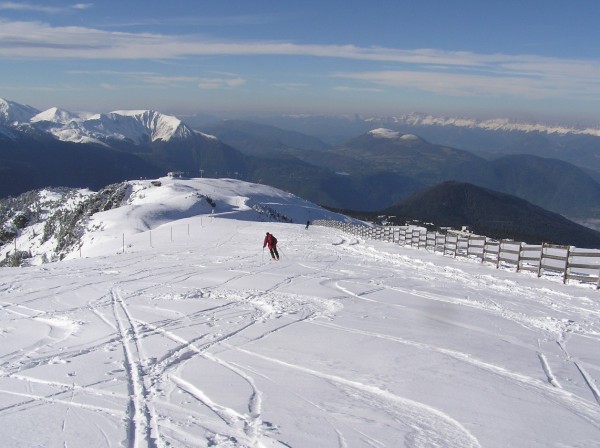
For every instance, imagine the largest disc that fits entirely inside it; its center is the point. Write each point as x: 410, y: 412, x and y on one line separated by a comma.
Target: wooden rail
x: 569, y: 262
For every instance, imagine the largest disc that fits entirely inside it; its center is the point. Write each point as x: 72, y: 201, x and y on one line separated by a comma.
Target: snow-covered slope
x: 11, y: 112
x: 189, y: 336
x: 56, y: 116
x: 138, y: 207
x: 135, y: 126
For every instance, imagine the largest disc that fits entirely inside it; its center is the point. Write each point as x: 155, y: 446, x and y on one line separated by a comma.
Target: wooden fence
x: 568, y: 262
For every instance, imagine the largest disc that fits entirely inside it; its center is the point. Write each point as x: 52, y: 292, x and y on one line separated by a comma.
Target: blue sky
x: 534, y: 59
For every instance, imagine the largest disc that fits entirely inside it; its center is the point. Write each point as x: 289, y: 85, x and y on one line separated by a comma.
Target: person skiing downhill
x: 271, y: 242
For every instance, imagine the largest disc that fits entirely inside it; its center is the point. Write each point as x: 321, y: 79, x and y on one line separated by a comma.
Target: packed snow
x: 172, y: 327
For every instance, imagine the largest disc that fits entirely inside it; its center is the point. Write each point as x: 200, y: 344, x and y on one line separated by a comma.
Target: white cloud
x: 23, y: 6
x: 447, y: 72
x: 357, y: 89
x: 220, y: 83
x: 468, y: 84
x: 107, y: 86
x: 291, y: 85
x: 227, y: 80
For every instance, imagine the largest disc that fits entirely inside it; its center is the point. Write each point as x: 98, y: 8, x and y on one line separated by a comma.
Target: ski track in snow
x: 557, y: 329
x: 136, y: 310
x: 140, y: 417
x: 432, y: 425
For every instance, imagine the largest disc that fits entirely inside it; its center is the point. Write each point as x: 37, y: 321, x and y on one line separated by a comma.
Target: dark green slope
x: 28, y: 164
x: 493, y: 214
x: 263, y: 140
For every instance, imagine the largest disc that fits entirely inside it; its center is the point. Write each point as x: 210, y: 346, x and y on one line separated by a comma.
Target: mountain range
x: 370, y: 171
x: 493, y: 214
x: 409, y: 163
x: 492, y: 138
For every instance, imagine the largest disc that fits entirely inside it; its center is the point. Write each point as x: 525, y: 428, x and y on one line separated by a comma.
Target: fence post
x: 420, y: 239
x: 499, y: 253
x: 483, y: 253
x: 519, y: 256
x: 566, y: 273
x: 541, y: 260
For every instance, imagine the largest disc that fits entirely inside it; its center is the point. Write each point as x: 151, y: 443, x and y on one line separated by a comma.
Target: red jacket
x: 270, y: 241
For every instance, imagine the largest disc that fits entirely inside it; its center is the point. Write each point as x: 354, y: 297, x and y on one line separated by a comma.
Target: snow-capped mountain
x: 139, y: 127
x: 56, y: 115
x: 495, y: 124
x: 12, y: 113
x: 135, y: 126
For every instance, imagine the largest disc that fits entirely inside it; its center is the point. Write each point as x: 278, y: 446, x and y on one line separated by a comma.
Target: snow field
x: 203, y: 341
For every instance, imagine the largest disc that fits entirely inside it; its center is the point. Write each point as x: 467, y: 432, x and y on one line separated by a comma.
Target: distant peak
x: 409, y: 137
x: 14, y: 112
x: 55, y: 115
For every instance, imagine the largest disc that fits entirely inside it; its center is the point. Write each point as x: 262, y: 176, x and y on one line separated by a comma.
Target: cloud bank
x: 451, y: 73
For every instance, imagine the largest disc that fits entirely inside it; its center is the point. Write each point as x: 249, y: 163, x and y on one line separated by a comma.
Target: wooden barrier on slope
x: 569, y: 262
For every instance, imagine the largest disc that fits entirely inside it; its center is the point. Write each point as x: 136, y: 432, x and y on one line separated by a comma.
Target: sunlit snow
x: 173, y: 328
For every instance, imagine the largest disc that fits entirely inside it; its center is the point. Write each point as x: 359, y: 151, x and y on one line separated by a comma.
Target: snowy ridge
x: 136, y: 126
x: 156, y: 125
x: 56, y: 115
x: 11, y: 112
x: 496, y: 124
x: 140, y: 206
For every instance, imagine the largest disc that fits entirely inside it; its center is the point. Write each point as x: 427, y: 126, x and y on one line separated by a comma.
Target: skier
x: 271, y: 242
x: 307, y: 224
